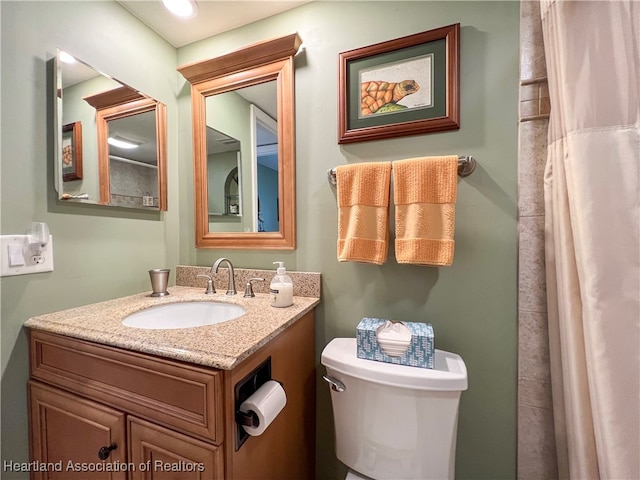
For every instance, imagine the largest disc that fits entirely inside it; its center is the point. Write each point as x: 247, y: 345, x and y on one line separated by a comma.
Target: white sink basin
x: 183, y: 315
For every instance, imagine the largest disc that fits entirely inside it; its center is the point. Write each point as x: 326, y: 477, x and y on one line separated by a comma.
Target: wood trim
x: 200, y: 178
x: 181, y: 396
x: 245, y: 58
x: 161, y: 140
x: 113, y: 97
x: 287, y: 138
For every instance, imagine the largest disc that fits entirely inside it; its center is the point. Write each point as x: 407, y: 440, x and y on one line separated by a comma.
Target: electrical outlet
x: 37, y: 259
x: 17, y: 258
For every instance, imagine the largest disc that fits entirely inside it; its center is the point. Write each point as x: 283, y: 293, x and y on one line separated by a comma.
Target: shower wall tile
x: 533, y: 351
x: 536, y: 455
x: 529, y: 108
x: 534, y: 100
x: 532, y: 294
x: 533, y: 392
x: 531, y: 164
x: 537, y: 450
x: 529, y: 91
x: 532, y: 59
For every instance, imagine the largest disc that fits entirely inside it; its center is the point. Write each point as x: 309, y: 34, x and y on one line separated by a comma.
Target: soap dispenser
x: 281, y: 287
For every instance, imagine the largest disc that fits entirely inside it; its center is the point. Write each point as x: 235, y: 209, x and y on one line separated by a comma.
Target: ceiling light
x: 122, y: 143
x: 66, y: 58
x: 181, y: 8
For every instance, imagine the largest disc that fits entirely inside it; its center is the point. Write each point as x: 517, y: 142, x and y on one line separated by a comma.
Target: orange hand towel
x: 425, y: 194
x: 363, y: 212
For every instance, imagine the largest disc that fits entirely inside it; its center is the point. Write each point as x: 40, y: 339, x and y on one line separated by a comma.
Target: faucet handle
x: 248, y: 291
x: 210, y: 288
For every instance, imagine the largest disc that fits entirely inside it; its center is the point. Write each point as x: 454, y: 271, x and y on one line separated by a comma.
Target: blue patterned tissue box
x: 420, y: 351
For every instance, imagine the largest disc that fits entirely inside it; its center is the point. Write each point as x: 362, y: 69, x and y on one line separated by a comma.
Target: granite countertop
x: 222, y: 345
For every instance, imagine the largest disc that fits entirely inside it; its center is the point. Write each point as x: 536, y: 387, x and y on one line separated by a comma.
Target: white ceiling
x: 214, y: 17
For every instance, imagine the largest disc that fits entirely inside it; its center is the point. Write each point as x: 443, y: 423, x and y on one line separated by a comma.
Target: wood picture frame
x: 72, y: 152
x: 406, y: 86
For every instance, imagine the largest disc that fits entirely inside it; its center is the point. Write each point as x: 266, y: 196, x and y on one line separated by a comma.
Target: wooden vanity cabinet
x: 67, y: 428
x: 165, y: 419
x: 68, y: 433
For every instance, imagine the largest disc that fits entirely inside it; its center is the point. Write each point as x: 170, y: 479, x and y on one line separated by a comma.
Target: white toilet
x: 394, y: 422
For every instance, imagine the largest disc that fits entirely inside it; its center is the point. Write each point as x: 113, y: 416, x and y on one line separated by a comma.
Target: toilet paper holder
x: 247, y: 419
x: 250, y: 419
x: 243, y: 390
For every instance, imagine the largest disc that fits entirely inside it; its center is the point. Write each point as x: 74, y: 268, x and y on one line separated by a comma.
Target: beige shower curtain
x: 592, y: 223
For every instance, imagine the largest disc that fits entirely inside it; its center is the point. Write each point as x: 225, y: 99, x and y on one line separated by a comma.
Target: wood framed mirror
x: 128, y: 122
x: 226, y: 93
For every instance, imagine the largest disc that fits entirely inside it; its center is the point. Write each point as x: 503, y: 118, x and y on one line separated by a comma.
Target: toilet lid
x: 355, y: 476
x: 449, y: 374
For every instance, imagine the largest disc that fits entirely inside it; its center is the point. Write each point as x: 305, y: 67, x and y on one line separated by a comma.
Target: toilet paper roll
x: 267, y: 402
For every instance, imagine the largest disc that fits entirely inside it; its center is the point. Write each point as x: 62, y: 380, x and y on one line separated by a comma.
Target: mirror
x: 110, y: 140
x: 244, y: 146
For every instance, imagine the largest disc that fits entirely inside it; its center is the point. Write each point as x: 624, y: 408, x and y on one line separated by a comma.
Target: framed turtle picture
x: 407, y: 86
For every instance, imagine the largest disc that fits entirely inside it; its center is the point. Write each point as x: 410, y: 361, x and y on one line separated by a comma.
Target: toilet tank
x: 395, y: 422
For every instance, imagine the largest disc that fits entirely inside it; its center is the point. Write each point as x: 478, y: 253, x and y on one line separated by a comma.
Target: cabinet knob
x: 104, y: 452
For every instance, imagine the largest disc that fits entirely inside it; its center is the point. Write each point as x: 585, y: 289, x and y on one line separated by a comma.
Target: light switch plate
x: 32, y: 263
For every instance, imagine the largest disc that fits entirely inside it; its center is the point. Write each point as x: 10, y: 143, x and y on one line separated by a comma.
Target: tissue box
x: 419, y: 354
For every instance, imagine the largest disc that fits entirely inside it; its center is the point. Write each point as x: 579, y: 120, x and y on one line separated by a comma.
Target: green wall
x: 101, y: 253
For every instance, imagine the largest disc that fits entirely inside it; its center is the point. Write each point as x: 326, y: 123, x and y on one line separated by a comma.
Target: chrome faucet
x: 231, y: 288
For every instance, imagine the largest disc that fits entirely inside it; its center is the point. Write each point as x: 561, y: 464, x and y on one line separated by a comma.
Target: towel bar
x: 466, y: 166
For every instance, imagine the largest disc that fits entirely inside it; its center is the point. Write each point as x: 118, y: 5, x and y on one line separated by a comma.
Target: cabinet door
x: 162, y: 454
x: 67, y: 433
x: 181, y: 396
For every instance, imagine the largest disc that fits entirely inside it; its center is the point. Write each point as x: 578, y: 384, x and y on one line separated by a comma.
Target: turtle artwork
x: 383, y: 97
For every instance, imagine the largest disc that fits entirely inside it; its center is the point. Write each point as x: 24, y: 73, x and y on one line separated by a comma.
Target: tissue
x: 419, y: 353
x: 267, y: 402
x: 394, y: 338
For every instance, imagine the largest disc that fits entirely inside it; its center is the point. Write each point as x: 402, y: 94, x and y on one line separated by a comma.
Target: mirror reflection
x: 242, y: 159
x: 224, y: 167
x: 133, y: 160
x: 265, y: 155
x: 110, y: 140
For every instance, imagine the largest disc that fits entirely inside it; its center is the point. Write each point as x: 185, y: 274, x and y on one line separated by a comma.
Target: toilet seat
x: 355, y: 476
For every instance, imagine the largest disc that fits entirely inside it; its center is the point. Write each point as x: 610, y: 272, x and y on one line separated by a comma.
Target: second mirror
x: 111, y: 140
